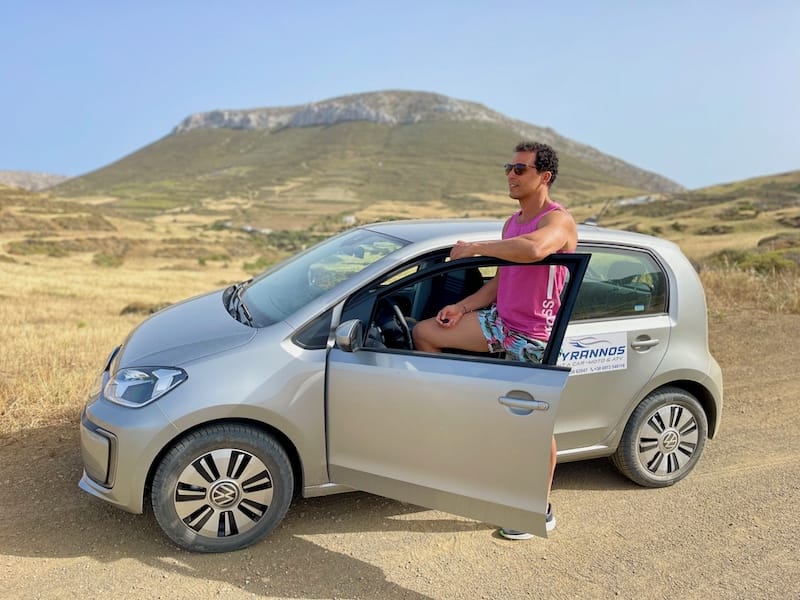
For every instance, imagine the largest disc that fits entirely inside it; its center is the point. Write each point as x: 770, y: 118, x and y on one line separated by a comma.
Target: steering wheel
x: 400, y: 320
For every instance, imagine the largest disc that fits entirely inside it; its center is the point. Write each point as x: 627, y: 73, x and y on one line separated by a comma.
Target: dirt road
x: 728, y: 531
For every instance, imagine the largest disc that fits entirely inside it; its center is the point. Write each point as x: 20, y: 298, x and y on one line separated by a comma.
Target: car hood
x: 183, y: 333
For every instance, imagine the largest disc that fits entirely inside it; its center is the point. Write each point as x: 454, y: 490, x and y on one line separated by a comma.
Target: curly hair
x: 546, y: 158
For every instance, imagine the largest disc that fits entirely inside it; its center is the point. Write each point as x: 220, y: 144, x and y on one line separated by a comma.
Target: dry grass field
x: 59, y: 319
x: 65, y: 288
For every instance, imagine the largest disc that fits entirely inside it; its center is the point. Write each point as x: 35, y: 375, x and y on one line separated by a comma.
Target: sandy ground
x: 730, y: 530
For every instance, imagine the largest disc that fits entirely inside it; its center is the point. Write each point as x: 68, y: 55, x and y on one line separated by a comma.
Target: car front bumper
x: 118, y: 446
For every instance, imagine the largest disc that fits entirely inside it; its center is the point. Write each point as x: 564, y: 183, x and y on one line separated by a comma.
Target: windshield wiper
x: 237, y: 306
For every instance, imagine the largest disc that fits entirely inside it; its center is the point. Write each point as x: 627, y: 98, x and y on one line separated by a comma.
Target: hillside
x: 762, y: 213
x: 753, y: 223
x: 293, y: 166
x: 29, y: 180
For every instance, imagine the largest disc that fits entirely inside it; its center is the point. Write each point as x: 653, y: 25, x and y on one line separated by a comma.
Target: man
x: 514, y: 311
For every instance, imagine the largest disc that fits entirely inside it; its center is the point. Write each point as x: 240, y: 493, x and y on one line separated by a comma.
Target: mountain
x: 395, y: 108
x: 377, y: 151
x: 30, y: 181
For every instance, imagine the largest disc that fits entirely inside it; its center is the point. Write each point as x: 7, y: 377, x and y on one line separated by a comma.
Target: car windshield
x: 280, y: 291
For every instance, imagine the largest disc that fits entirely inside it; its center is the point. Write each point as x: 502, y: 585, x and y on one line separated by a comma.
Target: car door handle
x: 645, y: 344
x: 522, y: 404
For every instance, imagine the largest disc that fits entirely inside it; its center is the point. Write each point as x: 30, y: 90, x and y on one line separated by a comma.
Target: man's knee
x: 422, y: 334
x: 416, y: 333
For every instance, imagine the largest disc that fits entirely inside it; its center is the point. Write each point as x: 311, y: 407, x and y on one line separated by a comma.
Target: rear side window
x: 620, y: 283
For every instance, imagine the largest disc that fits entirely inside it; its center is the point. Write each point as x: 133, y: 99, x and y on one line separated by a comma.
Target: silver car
x: 303, y: 381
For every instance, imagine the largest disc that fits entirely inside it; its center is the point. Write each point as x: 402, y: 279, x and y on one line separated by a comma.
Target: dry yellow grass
x: 732, y: 289
x: 59, y: 319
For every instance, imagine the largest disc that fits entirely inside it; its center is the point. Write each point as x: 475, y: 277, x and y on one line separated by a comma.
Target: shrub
x: 677, y: 226
x: 780, y: 241
x: 35, y: 246
x: 759, y: 262
x: 768, y: 262
x: 260, y: 264
x: 107, y: 260
x: 292, y: 240
x: 142, y: 308
x: 715, y: 229
x: 203, y: 260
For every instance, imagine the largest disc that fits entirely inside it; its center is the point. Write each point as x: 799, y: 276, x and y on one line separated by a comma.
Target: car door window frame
x: 659, y: 297
x: 369, y: 297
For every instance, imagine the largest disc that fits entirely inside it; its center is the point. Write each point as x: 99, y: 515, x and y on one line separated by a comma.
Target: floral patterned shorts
x: 501, y: 339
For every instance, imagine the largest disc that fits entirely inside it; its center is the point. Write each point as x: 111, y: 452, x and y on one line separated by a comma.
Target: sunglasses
x: 519, y: 168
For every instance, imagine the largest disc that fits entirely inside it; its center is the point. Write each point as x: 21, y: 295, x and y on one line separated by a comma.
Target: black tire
x: 222, y: 488
x: 663, y: 439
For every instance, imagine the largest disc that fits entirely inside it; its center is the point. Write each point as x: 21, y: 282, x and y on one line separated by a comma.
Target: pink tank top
x: 528, y: 298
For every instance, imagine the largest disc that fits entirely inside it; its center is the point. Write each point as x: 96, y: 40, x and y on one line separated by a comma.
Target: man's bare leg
x: 432, y: 336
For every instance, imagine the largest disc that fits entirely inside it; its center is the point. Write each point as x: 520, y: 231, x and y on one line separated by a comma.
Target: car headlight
x: 136, y: 387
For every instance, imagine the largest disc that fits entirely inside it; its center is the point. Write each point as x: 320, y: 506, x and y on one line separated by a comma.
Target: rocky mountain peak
x: 388, y: 107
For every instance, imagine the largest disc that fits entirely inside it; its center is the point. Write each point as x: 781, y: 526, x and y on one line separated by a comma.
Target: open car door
x: 468, y: 435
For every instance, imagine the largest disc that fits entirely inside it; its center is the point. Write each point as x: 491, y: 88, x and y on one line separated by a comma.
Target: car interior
x: 393, y: 306
x: 618, y: 283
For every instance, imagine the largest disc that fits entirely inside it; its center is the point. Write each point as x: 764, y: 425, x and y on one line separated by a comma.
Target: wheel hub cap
x: 224, y: 494
x: 670, y: 440
x: 667, y: 440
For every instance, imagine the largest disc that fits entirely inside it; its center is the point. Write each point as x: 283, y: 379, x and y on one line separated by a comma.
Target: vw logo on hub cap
x: 224, y: 494
x: 670, y: 440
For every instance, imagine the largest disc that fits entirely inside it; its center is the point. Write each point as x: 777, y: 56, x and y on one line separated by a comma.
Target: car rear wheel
x: 222, y: 488
x: 663, y: 439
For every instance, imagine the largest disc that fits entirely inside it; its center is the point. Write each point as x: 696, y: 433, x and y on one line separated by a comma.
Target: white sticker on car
x: 594, y: 354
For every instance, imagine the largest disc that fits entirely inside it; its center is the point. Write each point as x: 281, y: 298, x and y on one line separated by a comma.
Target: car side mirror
x: 349, y: 335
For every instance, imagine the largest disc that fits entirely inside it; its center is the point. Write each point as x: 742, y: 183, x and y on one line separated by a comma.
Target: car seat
x: 451, y: 287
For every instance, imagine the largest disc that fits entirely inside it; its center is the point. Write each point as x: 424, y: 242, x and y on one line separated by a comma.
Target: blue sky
x: 701, y: 91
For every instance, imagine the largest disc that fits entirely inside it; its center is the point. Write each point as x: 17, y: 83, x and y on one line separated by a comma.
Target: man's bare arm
x: 557, y: 232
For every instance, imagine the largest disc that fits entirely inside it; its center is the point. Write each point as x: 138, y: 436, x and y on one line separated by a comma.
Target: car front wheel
x: 663, y: 439
x: 222, y: 488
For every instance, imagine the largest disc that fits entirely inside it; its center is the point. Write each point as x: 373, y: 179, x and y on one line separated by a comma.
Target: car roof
x: 427, y: 230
